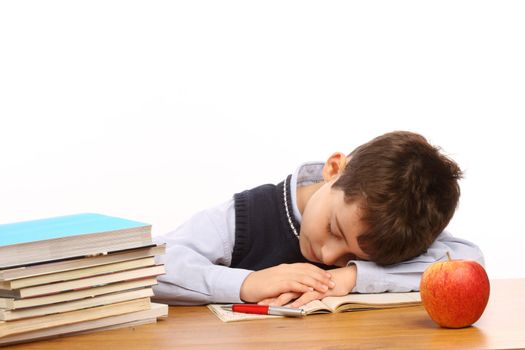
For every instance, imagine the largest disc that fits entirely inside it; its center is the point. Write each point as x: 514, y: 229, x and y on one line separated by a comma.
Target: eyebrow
x: 339, y: 229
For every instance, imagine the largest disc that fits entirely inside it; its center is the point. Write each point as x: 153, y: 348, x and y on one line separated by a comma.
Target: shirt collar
x: 306, y: 174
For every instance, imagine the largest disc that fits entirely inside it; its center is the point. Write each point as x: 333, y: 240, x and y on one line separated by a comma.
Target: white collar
x: 306, y: 174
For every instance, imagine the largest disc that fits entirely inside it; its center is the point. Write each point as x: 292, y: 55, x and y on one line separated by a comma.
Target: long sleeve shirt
x: 199, y: 253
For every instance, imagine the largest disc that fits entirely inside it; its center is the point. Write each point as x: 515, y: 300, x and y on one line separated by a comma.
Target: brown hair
x: 408, y: 192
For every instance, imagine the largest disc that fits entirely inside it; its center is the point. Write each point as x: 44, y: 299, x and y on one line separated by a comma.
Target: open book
x: 350, y: 302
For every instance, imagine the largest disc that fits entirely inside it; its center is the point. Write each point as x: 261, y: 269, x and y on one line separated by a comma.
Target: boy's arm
x: 197, y: 257
x: 197, y: 260
x: 405, y: 276
x: 368, y: 277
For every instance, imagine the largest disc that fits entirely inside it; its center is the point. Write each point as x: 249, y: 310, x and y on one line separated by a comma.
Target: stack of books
x: 74, y: 274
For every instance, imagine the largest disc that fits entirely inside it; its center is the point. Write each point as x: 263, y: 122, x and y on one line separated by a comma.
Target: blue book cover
x: 62, y: 226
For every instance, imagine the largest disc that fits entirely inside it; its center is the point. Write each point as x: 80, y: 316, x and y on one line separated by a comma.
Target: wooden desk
x: 501, y: 326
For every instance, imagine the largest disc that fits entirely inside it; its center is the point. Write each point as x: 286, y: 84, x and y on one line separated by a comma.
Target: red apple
x: 455, y: 292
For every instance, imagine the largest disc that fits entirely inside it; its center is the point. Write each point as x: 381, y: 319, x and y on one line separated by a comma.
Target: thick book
x: 28, y: 242
x: 55, y: 320
x: 350, y: 302
x: 14, y: 304
x: 81, y: 262
x: 76, y: 274
x: 149, y: 315
x: 106, y: 299
x: 87, y: 282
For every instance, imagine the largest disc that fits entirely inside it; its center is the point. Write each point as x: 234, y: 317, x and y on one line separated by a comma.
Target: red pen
x: 265, y: 310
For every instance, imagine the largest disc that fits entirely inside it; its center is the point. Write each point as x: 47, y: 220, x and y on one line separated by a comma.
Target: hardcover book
x: 149, y: 315
x: 69, y: 236
x: 45, y: 289
x: 81, y: 262
x: 14, y: 304
x: 76, y: 274
x: 106, y: 299
x: 55, y: 320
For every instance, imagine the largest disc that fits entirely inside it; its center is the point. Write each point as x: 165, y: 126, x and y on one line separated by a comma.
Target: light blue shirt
x: 198, y: 256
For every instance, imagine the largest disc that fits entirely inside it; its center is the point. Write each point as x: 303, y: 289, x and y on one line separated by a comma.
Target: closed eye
x: 331, y: 232
x: 340, y: 231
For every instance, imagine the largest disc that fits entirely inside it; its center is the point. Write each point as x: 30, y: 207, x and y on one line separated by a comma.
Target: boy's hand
x: 277, y: 280
x: 344, y: 278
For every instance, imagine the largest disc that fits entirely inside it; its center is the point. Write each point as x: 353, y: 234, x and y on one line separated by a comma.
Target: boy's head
x: 386, y: 202
x: 408, y: 192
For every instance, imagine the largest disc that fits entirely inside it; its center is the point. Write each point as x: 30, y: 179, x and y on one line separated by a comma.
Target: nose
x: 331, y: 254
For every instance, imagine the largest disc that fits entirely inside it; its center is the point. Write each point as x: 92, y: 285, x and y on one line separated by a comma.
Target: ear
x: 334, y: 165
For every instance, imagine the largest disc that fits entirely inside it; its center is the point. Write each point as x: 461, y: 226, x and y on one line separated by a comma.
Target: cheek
x: 311, y: 230
x: 314, y: 222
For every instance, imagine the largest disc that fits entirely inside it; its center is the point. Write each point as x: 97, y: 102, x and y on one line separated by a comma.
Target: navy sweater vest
x: 263, y: 236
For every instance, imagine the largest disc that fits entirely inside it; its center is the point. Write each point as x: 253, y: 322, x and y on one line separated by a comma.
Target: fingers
x: 266, y: 301
x: 281, y: 300
x: 312, y: 270
x: 292, y: 286
x: 309, y: 275
x: 306, y: 298
x: 319, y: 286
x: 284, y: 299
x: 274, y: 281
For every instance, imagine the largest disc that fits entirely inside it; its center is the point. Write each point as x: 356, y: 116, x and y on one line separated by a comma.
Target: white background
x: 154, y: 110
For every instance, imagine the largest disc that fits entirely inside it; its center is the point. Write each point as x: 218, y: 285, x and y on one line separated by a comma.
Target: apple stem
x: 448, y: 256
